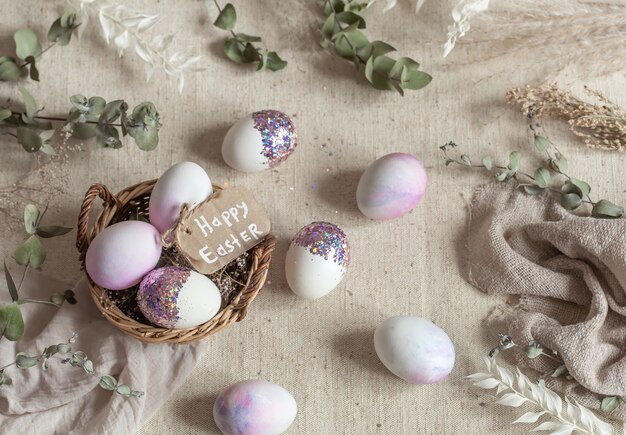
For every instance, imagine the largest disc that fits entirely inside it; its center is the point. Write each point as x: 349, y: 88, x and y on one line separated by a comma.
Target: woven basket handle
x: 95, y: 191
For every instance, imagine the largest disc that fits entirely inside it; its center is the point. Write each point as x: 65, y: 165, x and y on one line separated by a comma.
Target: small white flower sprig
x: 519, y: 389
x: 124, y: 26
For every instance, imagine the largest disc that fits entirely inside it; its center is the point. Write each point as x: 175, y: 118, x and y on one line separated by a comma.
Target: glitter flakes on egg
x: 317, y: 259
x: 278, y: 135
x: 176, y: 297
x: 259, y: 141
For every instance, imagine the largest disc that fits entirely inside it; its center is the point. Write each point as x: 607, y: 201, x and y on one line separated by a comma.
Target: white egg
x: 183, y: 183
x: 414, y: 349
x: 176, y: 297
x: 259, y: 141
x: 254, y: 407
x: 121, y: 254
x: 317, y: 260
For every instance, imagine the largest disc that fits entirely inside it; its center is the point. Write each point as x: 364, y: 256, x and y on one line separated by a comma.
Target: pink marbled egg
x: 122, y: 254
x: 414, y: 349
x: 391, y: 186
x: 254, y: 407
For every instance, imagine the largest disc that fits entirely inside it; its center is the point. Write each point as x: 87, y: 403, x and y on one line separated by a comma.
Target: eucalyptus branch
x: 87, y: 119
x: 28, y: 48
x: 75, y: 359
x: 240, y: 47
x: 572, y: 192
x: 342, y: 31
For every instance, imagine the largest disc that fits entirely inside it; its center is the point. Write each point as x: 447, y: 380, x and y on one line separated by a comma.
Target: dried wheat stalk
x: 601, y: 125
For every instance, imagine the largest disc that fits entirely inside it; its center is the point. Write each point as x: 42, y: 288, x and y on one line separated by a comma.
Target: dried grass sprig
x: 519, y: 389
x: 124, y: 26
x: 601, y: 125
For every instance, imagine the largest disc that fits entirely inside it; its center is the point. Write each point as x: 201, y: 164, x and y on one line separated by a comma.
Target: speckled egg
x: 176, y: 297
x: 317, y: 260
x: 391, y: 186
x: 183, y: 183
x: 259, y: 141
x: 254, y: 407
x: 121, y: 254
x: 414, y: 349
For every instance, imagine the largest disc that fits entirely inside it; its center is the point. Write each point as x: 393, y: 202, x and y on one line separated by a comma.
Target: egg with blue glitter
x: 176, y: 297
x: 317, y: 260
x: 259, y: 141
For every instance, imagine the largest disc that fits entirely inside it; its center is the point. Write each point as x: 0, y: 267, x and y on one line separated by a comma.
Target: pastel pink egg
x: 254, y: 407
x: 122, y: 254
x: 391, y: 186
x: 414, y: 349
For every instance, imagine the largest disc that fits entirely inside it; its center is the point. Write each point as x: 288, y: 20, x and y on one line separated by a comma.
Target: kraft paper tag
x: 221, y: 229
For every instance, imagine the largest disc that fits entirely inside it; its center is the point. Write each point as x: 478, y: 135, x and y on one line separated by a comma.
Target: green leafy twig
x: 241, y: 48
x: 88, y: 118
x: 342, y: 30
x: 75, y: 359
x: 28, y: 48
x: 535, y: 350
x: 572, y: 192
x: 29, y: 254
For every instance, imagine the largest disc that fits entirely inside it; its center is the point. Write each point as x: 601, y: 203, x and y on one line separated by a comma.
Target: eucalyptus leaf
x: 11, y: 321
x: 5, y: 113
x: 466, y: 159
x: 488, y: 162
x: 533, y: 190
x: 68, y: 18
x: 9, y: 71
x: 63, y: 348
x: 30, y: 252
x: 88, y: 366
x: 233, y: 49
x: 606, y: 209
x: 248, y: 38
x: 515, y: 159
x: 31, y: 218
x: 48, y: 149
x: 502, y: 176
x: 57, y: 299
x: 610, y: 404
x: 46, y: 135
x: 377, y: 72
x: 80, y: 102
x: 33, y: 71
x: 48, y: 231
x: 401, y: 64
x: 29, y: 102
x: 147, y: 138
x: 10, y: 283
x: 351, y: 18
x: 415, y: 79
x: 24, y: 361
x: 26, y: 44
x: 571, y: 201
x: 274, y: 62
x: 29, y: 139
x: 559, y: 163
x: 227, y: 18
x: 108, y: 382
x: 542, y: 177
x: 541, y: 143
x: 533, y: 350
x: 582, y: 186
x: 122, y: 389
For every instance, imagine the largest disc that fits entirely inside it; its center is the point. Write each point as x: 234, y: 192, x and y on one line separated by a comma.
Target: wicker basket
x: 133, y: 202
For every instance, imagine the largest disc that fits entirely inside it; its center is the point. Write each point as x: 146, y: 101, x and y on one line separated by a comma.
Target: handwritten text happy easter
x: 238, y: 240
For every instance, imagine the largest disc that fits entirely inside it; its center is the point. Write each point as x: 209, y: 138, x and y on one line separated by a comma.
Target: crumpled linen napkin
x: 570, y: 274
x: 65, y: 400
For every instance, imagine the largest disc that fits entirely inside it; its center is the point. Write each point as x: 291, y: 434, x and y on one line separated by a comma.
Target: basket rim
x: 234, y: 311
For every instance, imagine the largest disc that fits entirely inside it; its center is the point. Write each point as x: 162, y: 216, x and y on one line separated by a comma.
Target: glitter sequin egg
x: 414, y: 349
x: 254, y: 407
x: 176, y: 297
x: 121, y: 254
x: 183, y: 183
x: 317, y: 260
x: 259, y: 141
x: 391, y: 186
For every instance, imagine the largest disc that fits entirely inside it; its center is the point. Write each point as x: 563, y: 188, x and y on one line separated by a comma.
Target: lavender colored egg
x: 254, y: 407
x: 414, y: 349
x: 391, y: 186
x: 120, y: 255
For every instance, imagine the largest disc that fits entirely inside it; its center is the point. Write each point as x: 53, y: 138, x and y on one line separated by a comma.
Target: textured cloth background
x: 321, y: 351
x: 570, y: 272
x: 65, y: 400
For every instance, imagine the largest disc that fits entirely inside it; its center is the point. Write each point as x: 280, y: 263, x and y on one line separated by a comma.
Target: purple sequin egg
x: 259, y: 141
x: 391, y: 186
x: 317, y: 260
x: 176, y: 297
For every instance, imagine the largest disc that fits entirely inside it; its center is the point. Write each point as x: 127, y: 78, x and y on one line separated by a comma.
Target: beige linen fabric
x: 322, y: 351
x: 570, y: 274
